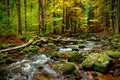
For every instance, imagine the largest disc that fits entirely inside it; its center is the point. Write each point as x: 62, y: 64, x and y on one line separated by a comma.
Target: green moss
x: 102, y: 63
x: 75, y: 57
x: 67, y: 68
x: 9, y: 60
x: 80, y: 41
x: 90, y: 60
x: 2, y: 56
x: 55, y: 55
x: 31, y: 49
x: 37, y: 43
x: 3, y: 46
x: 113, y: 54
x: 81, y: 45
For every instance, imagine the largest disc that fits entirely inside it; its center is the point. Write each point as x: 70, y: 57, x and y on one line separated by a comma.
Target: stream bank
x: 51, y: 56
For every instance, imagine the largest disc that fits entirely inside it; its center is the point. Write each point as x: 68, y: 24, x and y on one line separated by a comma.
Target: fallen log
x: 17, y: 47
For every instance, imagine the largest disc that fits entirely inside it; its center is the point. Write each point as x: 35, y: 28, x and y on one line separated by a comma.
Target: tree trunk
x: 39, y: 17
x: 117, y: 16
x: 44, y: 13
x: 112, y: 16
x: 19, y: 19
x: 54, y: 22
x: 64, y: 17
x: 7, y: 13
x: 25, y: 7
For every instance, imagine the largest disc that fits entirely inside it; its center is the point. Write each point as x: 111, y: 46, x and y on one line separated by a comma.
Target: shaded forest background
x: 61, y: 17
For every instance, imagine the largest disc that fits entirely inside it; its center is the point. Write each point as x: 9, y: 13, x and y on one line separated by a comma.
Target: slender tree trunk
x: 117, y: 17
x: 43, y: 16
x: 64, y: 17
x: 19, y: 18
x: 25, y: 7
x: 112, y: 16
x: 7, y: 13
x: 54, y: 22
x: 39, y: 16
x: 67, y: 19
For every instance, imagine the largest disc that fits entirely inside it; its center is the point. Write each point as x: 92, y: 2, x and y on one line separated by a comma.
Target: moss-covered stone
x: 80, y: 41
x: 90, y: 60
x: 116, y: 42
x: 55, y: 55
x: 67, y: 68
x: 75, y: 57
x: 113, y: 54
x: 81, y: 45
x: 102, y: 63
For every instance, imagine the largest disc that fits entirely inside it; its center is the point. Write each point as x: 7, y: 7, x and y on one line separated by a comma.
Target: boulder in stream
x: 113, y: 54
x: 55, y: 55
x: 67, y: 68
x: 90, y: 60
x: 75, y: 57
x: 102, y: 63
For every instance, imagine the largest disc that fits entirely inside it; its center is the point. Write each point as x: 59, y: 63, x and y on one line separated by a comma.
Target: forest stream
x: 44, y: 67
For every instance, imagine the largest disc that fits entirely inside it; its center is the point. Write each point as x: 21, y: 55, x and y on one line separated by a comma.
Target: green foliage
x: 24, y: 37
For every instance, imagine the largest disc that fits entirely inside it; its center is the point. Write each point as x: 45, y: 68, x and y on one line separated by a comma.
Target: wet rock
x: 94, y: 74
x: 67, y: 68
x: 83, y: 74
x: 116, y: 73
x: 49, y: 71
x: 65, y: 50
x: 2, y: 78
x: 80, y: 66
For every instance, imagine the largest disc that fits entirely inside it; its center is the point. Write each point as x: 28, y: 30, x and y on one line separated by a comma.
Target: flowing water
x: 24, y: 69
